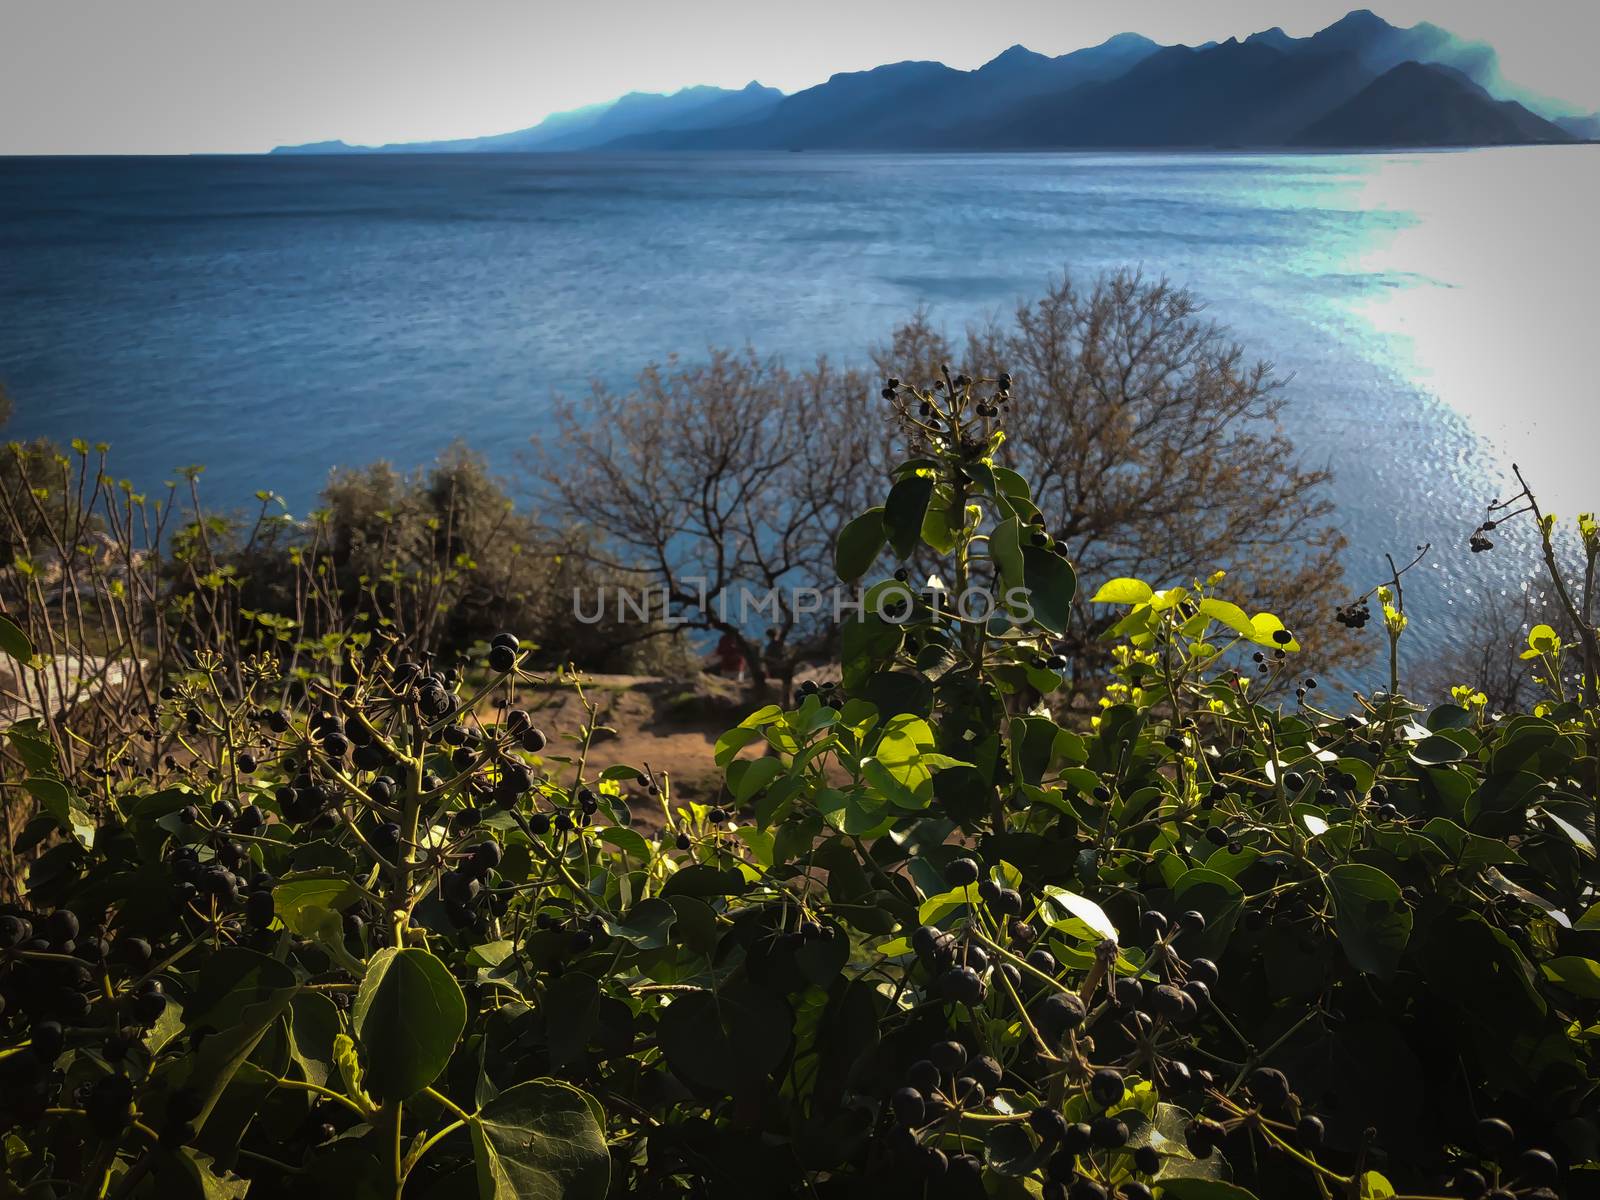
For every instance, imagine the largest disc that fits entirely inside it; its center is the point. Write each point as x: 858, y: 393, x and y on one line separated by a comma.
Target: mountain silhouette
x: 1415, y: 104
x: 1233, y: 94
x: 1360, y: 82
x: 593, y: 125
x: 1583, y: 126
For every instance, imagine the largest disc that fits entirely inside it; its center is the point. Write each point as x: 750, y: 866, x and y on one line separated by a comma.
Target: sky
x: 241, y: 76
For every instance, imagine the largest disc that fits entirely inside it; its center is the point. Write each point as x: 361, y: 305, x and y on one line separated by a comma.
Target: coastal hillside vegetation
x: 1097, y: 893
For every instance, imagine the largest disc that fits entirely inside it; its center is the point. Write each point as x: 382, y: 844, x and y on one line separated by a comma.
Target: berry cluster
x: 1282, y: 638
x: 1529, y: 1179
x: 63, y: 985
x: 1354, y: 615
x: 1099, y: 1035
x: 942, y: 415
x: 829, y: 693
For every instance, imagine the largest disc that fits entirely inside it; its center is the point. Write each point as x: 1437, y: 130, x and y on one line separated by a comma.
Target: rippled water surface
x: 271, y: 317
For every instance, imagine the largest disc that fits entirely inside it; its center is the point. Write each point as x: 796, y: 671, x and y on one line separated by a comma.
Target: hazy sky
x: 173, y: 76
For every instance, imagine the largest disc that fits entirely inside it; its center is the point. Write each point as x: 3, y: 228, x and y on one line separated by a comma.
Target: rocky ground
x: 64, y: 682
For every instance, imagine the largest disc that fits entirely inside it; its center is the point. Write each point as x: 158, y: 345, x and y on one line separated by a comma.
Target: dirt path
x: 669, y: 725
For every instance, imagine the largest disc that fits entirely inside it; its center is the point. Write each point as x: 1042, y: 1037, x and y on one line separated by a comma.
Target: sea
x: 1434, y: 313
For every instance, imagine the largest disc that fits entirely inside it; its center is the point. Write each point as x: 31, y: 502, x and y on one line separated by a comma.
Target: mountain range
x: 1361, y: 83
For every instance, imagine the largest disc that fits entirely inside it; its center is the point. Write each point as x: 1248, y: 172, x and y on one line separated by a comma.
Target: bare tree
x: 1151, y: 441
x: 1153, y: 446
x: 723, y: 484
x: 1487, y: 651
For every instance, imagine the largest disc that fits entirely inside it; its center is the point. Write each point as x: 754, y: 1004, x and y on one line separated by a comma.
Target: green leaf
x: 33, y: 747
x: 903, y: 512
x: 1541, y: 640
x: 540, y: 1140
x: 860, y: 543
x: 747, y: 776
x: 1203, y: 1189
x: 63, y: 805
x: 1005, y: 547
x: 1510, y: 887
x: 571, y: 1012
x: 14, y: 642
x: 191, y: 1175
x: 1122, y: 591
x: 313, y: 1025
x: 903, y: 765
x: 1052, y: 583
x: 859, y: 809
x: 408, y: 1014
x: 1449, y: 716
x: 866, y: 643
x: 730, y: 743
x: 1370, y: 917
x: 747, y: 732
x: 348, y: 1064
x: 1468, y: 849
x: 490, y: 954
x: 1083, y: 908
x: 627, y: 841
x: 1574, y: 835
x: 1033, y: 744
x: 728, y: 1040
x: 1436, y: 750
x: 939, y: 528
x: 1229, y: 615
x: 1220, y: 898
x: 241, y: 994
x: 1010, y: 483
x: 1011, y: 1151
x: 309, y: 907
x: 1265, y: 625
x: 647, y: 926
x: 1590, y: 920
x: 982, y: 474
x: 1580, y: 976
x: 697, y: 879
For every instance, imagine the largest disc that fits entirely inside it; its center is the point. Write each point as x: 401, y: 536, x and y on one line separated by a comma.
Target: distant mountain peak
x: 1014, y: 57
x: 1361, y: 18
x: 1425, y: 104
x: 1274, y: 37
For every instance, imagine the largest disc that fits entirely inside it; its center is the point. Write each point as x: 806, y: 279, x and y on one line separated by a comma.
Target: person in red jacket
x: 729, y: 656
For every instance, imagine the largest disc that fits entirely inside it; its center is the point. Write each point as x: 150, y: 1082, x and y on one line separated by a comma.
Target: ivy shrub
x: 393, y: 938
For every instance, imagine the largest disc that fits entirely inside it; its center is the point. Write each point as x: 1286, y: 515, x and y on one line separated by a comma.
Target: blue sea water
x: 272, y: 317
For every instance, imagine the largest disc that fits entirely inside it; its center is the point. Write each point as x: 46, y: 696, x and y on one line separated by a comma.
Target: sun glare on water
x: 1498, y: 318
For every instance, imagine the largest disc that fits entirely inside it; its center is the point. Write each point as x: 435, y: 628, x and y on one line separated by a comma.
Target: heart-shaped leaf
x: 540, y: 1140
x: 408, y: 1014
x: 1372, y: 920
x: 903, y: 512
x: 1122, y: 591
x: 860, y: 543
